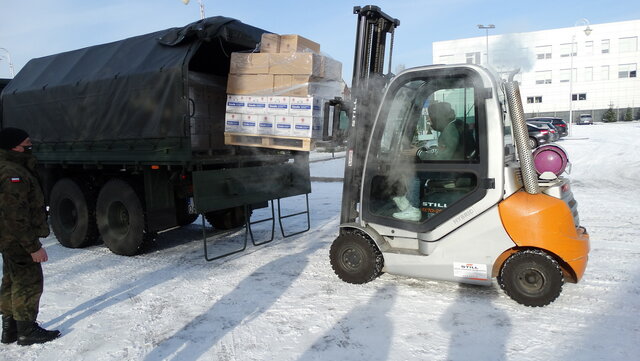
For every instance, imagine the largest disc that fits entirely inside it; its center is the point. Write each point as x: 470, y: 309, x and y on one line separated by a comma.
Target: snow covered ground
x: 282, y: 301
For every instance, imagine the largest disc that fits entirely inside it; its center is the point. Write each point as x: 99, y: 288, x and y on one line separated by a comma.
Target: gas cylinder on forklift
x: 440, y: 183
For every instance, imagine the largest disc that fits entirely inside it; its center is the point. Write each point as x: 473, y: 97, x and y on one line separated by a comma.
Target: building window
x: 543, y: 77
x: 588, y: 73
x: 628, y: 45
x: 605, y: 46
x: 604, y: 72
x: 567, y: 48
x: 627, y: 71
x: 579, y: 96
x: 565, y: 75
x: 446, y: 59
x: 536, y: 99
x: 543, y: 52
x: 473, y: 58
x: 588, y: 47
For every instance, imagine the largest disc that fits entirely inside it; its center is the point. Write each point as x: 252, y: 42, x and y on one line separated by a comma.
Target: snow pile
x: 282, y: 301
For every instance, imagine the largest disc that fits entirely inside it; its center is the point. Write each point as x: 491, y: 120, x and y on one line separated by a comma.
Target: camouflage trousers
x: 22, y: 285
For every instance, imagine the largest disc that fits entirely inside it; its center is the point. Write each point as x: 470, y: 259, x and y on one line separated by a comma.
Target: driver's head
x: 441, y: 114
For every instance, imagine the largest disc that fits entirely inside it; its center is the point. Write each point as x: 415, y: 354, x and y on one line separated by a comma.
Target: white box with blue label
x: 283, y: 125
x: 266, y: 124
x: 249, y: 124
x: 237, y: 104
x: 278, y: 105
x: 257, y: 104
x: 232, y: 122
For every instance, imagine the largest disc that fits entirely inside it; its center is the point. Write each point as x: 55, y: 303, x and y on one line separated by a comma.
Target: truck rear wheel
x: 73, y: 217
x: 120, y: 217
x: 355, y: 259
x: 532, y: 278
x: 227, y: 218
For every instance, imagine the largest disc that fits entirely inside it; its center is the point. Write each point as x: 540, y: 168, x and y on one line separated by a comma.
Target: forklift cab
x: 440, y: 170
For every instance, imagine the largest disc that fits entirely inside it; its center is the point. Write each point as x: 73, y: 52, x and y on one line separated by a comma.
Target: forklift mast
x: 367, y: 88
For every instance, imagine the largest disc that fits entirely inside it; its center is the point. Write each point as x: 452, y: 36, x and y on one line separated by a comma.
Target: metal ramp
x: 248, y: 234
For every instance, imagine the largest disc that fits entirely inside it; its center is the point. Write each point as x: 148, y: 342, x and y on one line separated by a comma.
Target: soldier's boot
x: 30, y: 332
x: 9, y: 329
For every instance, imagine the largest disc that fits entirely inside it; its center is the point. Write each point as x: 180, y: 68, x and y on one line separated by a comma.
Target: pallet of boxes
x: 275, y: 98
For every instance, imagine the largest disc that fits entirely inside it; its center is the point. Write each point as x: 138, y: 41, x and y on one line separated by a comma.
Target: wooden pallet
x: 268, y: 141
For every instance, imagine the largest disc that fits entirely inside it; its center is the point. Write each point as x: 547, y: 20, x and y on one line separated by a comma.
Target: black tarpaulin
x: 135, y: 88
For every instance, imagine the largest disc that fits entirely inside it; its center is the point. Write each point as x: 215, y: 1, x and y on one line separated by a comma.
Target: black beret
x: 12, y: 137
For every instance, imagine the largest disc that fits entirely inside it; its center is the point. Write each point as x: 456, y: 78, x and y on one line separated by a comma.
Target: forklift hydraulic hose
x: 521, y: 136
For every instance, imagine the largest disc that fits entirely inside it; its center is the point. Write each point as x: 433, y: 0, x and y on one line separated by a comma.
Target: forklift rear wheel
x: 532, y: 278
x: 533, y: 143
x: 355, y: 259
x: 120, y: 218
x: 227, y: 218
x: 73, y: 214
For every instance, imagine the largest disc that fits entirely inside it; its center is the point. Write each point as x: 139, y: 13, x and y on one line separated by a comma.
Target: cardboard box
x: 249, y: 63
x: 236, y: 104
x: 250, y: 84
x: 278, y: 105
x: 266, y: 124
x: 257, y: 104
x: 270, y: 43
x: 292, y: 43
x: 306, y: 106
x: 296, y: 64
x: 302, y: 127
x: 232, y: 122
x: 283, y: 125
x: 249, y: 124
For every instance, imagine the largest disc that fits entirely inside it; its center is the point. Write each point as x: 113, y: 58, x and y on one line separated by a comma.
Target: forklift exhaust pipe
x: 521, y: 134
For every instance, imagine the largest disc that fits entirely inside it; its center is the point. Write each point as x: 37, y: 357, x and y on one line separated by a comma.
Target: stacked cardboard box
x: 281, y: 90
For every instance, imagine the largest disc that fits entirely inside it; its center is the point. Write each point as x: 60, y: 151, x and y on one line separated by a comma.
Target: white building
x: 604, y: 60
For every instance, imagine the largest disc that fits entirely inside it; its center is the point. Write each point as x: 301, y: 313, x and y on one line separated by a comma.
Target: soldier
x: 22, y: 222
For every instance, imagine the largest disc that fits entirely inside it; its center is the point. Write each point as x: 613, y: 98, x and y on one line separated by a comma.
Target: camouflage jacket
x: 23, y: 217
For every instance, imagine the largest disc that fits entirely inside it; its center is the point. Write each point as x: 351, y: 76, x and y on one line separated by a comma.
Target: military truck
x: 130, y: 136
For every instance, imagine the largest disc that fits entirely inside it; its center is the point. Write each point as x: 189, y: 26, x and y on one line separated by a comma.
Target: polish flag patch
x: 16, y: 180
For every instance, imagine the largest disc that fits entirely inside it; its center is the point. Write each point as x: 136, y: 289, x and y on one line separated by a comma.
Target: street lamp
x: 186, y: 2
x: 486, y: 28
x: 9, y: 60
x: 587, y: 32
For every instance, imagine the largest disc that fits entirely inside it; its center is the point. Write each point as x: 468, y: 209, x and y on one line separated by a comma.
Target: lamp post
x: 186, y: 2
x: 9, y: 60
x: 587, y: 31
x: 486, y: 28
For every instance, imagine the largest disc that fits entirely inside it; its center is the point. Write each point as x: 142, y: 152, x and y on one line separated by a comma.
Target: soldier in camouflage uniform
x: 22, y: 222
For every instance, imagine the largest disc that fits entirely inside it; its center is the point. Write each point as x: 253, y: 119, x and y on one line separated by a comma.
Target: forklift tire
x: 227, y: 218
x: 73, y: 214
x: 120, y: 218
x: 533, y: 142
x: 355, y: 259
x: 532, y: 278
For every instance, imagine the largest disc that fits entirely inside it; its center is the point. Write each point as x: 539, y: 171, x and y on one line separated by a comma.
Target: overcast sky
x: 34, y: 28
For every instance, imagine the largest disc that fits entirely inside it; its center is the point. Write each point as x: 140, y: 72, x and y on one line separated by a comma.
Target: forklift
x: 413, y: 205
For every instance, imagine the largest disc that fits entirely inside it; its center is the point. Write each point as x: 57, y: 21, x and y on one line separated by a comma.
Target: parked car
x: 554, y: 133
x: 585, y: 119
x: 558, y: 123
x: 538, y: 135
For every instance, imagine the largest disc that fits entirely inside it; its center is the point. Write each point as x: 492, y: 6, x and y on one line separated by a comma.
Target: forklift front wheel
x: 532, y: 278
x: 355, y: 258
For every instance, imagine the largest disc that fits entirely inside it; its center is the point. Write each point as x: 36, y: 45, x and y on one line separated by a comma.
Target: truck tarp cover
x: 129, y: 89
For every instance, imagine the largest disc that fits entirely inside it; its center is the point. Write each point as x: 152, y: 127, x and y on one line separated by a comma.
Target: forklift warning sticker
x: 474, y: 271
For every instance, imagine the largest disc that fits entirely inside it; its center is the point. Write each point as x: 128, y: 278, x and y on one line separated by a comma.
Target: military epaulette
x: 16, y: 179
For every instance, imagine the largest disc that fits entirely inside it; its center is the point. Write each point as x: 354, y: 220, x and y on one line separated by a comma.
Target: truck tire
x: 120, y: 218
x: 532, y: 278
x: 355, y: 258
x: 73, y: 214
x: 227, y: 218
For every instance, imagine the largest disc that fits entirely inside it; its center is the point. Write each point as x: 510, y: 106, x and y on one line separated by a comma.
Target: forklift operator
x: 443, y: 120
